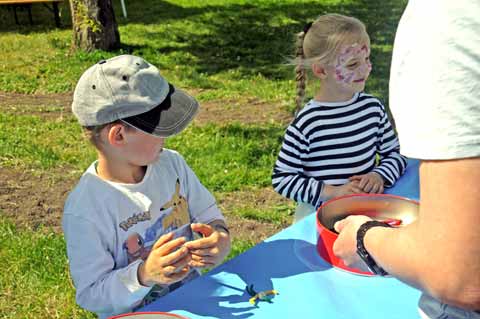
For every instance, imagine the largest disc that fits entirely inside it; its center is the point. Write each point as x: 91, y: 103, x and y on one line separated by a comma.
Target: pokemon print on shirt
x: 174, y: 216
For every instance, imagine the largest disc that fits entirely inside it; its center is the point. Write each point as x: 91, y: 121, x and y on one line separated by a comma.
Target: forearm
x: 391, y: 167
x: 392, y: 164
x: 396, y: 250
x: 409, y: 256
x: 99, y: 286
x: 440, y: 252
x: 116, y: 292
x: 296, y: 186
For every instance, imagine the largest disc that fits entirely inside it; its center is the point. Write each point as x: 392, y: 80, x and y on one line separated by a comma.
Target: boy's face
x: 351, y: 66
x: 142, y: 148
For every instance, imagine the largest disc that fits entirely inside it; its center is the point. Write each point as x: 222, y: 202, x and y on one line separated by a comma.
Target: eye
x: 140, y: 242
x: 352, y: 65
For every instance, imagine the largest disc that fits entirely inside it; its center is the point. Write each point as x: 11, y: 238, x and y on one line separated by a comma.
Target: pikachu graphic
x: 179, y: 218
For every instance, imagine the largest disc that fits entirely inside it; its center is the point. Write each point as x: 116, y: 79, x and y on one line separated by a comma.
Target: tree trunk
x: 94, y: 25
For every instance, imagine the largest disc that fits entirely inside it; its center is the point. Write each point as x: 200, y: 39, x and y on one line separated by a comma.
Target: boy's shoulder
x: 170, y: 158
x: 170, y: 155
x: 88, y: 187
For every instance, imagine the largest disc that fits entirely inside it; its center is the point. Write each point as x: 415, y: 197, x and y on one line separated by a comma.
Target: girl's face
x: 352, y: 66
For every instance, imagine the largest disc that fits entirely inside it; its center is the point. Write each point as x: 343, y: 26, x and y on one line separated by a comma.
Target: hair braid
x: 300, y: 74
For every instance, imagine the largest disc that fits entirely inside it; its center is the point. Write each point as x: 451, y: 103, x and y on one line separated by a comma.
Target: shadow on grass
x: 251, y: 38
x: 258, y: 38
x: 42, y: 18
x: 230, y: 157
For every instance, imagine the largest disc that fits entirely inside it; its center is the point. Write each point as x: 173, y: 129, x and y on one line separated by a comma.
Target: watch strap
x: 362, y: 251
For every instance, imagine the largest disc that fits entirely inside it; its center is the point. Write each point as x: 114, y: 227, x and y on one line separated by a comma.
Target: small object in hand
x: 392, y: 222
x: 266, y: 295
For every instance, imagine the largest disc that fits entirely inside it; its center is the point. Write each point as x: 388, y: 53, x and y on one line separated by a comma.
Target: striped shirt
x: 329, y: 142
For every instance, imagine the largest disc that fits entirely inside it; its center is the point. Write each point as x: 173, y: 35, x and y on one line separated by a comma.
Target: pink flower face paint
x: 353, y: 66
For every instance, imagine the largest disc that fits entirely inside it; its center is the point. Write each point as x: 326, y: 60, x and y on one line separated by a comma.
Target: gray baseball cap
x: 130, y: 89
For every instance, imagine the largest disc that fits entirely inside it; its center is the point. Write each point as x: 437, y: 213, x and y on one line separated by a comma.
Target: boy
x: 128, y: 222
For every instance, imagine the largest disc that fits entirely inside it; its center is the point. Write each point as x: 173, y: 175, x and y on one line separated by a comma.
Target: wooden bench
x: 28, y: 4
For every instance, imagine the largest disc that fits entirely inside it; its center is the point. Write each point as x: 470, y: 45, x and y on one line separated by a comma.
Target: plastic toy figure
x: 266, y: 295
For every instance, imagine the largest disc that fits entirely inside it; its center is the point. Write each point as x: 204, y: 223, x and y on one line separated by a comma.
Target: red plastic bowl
x: 397, y: 210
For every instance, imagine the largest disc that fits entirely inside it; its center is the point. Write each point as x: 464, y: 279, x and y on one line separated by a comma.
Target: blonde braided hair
x: 300, y: 72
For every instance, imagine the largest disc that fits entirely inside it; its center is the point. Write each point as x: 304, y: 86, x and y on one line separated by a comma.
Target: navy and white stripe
x: 329, y: 142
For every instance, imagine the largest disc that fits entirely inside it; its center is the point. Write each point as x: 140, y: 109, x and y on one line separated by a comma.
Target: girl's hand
x: 349, y: 188
x: 210, y: 250
x: 167, y: 262
x: 369, y: 183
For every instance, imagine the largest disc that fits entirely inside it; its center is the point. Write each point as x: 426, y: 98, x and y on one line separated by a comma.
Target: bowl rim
x: 324, y: 228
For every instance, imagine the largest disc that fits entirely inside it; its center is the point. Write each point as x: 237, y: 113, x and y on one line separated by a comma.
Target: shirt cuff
x: 130, y: 279
x: 387, y: 181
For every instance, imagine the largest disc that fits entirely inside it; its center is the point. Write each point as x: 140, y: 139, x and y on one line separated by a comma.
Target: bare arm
x: 440, y: 253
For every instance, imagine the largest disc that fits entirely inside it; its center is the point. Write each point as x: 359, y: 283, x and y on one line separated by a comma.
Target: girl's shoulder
x: 369, y: 98
x: 310, y: 109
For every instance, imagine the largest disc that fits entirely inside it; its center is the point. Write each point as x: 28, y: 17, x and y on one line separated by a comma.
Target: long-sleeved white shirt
x: 109, y: 227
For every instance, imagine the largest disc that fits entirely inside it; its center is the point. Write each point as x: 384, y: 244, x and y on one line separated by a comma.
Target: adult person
x: 435, y: 99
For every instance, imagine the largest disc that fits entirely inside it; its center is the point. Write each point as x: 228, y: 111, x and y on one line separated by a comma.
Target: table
x: 28, y: 4
x: 308, y: 286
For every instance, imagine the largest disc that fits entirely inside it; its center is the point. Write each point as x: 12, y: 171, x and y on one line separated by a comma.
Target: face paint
x: 352, y: 66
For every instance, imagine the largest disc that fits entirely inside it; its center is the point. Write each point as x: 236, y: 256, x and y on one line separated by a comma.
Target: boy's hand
x: 369, y: 183
x: 349, y: 188
x: 165, y: 265
x: 210, y: 250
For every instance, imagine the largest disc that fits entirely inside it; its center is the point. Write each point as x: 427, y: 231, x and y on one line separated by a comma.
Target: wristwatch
x: 363, y: 253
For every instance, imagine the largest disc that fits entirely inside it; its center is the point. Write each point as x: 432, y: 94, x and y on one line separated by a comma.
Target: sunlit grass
x: 228, y: 48
x: 34, y: 281
x: 228, y: 158
x: 220, y: 49
x: 280, y: 214
x: 225, y: 158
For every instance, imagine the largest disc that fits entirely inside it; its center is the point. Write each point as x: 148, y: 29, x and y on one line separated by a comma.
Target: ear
x: 319, y: 71
x: 116, y: 135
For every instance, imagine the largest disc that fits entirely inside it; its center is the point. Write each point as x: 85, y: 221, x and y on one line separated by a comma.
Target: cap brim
x: 169, y: 118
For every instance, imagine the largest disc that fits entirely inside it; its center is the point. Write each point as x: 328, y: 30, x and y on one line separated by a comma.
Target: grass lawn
x: 225, y: 48
x: 229, y: 53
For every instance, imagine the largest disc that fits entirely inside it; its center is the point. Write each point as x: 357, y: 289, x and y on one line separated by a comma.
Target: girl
x: 330, y: 149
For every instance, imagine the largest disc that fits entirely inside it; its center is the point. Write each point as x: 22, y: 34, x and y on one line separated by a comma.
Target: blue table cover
x: 308, y: 286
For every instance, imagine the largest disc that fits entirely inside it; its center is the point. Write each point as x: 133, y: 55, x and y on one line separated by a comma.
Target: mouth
x: 359, y: 80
